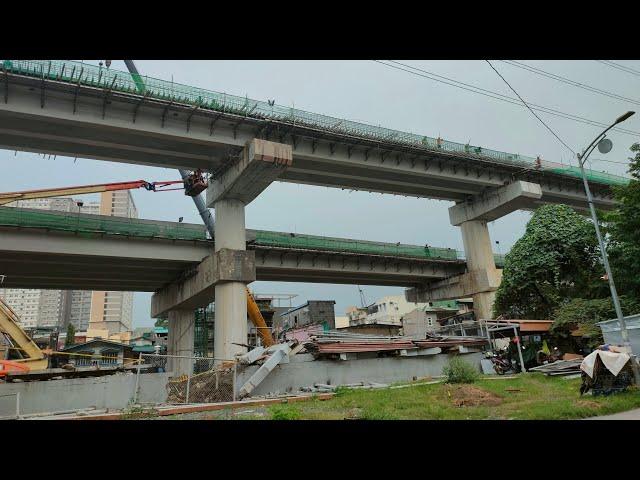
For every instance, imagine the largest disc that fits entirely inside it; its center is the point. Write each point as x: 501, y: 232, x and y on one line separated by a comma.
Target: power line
x: 526, y: 105
x: 568, y: 81
x: 618, y: 66
x: 497, y: 96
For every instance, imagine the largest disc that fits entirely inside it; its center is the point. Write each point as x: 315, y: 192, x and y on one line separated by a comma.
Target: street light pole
x: 582, y: 158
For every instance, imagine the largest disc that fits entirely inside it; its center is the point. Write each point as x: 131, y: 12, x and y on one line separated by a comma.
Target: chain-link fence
x: 193, y: 379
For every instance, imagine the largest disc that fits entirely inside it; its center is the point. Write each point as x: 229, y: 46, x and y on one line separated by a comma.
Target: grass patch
x: 531, y: 396
x: 460, y: 371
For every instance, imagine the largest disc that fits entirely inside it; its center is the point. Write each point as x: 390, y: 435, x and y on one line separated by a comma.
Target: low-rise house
x: 321, y: 312
x: 424, y: 319
x: 99, y: 352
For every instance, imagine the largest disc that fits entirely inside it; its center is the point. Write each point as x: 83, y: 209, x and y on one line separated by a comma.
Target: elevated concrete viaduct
x: 100, y: 114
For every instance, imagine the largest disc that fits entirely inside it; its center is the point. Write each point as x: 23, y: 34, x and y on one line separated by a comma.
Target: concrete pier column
x: 479, y: 255
x: 180, y: 341
x: 231, y: 297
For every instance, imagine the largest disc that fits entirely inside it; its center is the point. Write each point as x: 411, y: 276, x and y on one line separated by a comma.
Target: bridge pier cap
x: 260, y: 163
x: 496, y: 203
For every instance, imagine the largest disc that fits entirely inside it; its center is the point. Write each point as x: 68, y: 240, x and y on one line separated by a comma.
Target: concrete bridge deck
x: 44, y: 249
x: 65, y: 108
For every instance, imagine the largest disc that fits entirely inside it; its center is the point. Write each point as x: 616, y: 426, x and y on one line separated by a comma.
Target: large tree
x: 623, y: 229
x: 555, y: 260
x: 584, y: 315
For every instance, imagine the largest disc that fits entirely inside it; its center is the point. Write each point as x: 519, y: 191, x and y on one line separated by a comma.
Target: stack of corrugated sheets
x: 450, y: 341
x: 338, y: 342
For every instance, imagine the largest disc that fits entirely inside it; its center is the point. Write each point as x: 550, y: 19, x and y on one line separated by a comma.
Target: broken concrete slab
x: 251, y: 356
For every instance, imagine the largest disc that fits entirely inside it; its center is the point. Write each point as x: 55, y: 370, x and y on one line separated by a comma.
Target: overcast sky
x: 373, y: 93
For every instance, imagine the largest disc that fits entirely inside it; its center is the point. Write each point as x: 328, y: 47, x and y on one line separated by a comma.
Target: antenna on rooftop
x: 363, y: 300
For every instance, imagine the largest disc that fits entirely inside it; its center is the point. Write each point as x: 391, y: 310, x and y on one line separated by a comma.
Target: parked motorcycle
x: 501, y: 363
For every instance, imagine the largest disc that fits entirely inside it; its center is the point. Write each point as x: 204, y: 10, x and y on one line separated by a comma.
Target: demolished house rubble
x: 333, y: 342
x: 218, y: 384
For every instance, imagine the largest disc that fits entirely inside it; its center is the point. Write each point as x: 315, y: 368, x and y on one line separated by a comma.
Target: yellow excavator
x: 17, y: 351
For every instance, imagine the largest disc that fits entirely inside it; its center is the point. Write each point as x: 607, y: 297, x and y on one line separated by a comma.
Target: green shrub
x: 460, y: 371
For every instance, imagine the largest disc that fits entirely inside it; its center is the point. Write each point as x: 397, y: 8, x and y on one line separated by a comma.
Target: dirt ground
x: 470, y: 396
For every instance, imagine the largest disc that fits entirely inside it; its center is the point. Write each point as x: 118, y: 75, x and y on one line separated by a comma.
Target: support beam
x: 496, y: 203
x: 459, y: 286
x: 196, y: 288
x: 260, y: 163
x: 231, y: 296
x: 180, y: 341
x: 480, y: 282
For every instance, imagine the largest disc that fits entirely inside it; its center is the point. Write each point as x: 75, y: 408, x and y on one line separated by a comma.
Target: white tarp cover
x: 613, y: 361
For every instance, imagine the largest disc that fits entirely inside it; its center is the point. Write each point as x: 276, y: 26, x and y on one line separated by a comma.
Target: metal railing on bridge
x: 118, y: 81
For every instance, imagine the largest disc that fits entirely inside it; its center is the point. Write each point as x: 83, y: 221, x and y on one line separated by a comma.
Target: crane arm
x: 9, y: 197
x: 258, y: 320
x: 31, y: 353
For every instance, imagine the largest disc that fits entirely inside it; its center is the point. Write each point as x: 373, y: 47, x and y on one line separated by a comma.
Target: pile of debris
x: 448, y: 341
x: 344, y: 342
x: 560, y: 367
x: 607, y: 370
x: 335, y: 342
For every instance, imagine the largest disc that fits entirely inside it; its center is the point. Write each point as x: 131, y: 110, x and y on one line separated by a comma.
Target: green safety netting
x: 71, y: 222
x: 592, y: 176
x: 312, y: 242
x: 115, y: 80
x: 99, y: 224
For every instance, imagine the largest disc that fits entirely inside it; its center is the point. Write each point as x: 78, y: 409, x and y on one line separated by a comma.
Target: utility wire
x: 497, y: 96
x: 624, y: 68
x: 569, y: 81
x: 526, y: 105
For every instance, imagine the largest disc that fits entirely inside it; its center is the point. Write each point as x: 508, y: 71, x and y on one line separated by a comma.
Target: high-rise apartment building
x: 113, y: 310
x: 50, y: 308
x: 41, y: 308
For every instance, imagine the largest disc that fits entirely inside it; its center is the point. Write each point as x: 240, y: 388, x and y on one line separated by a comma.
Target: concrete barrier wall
x: 110, y: 391
x: 304, y: 372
